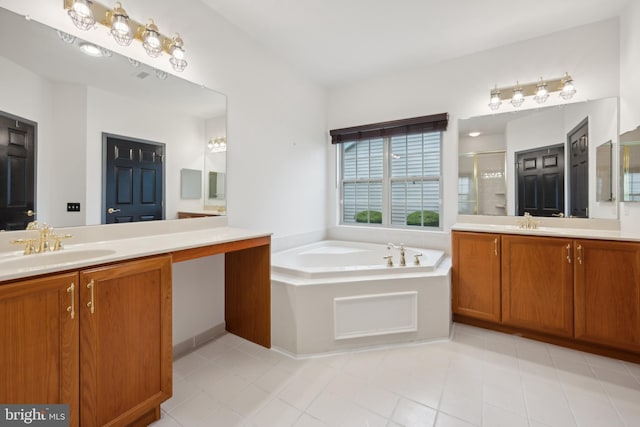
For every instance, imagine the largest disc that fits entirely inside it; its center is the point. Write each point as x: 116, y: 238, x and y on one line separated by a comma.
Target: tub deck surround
x: 334, y: 258
x: 335, y: 296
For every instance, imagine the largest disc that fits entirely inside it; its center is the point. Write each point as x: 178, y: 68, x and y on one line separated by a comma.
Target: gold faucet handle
x: 29, y: 245
x: 58, y: 238
x: 389, y: 259
x: 416, y: 261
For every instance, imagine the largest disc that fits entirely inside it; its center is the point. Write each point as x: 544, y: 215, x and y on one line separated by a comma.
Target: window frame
x: 387, y: 181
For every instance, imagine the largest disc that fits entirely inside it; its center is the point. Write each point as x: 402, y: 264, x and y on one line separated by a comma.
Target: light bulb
x: 541, y: 92
x: 176, y: 51
x: 495, y: 101
x: 518, y: 97
x: 151, y: 40
x: 82, y: 15
x: 120, y: 29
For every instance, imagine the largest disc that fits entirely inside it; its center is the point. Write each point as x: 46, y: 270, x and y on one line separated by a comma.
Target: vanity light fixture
x: 151, y: 40
x: 568, y: 90
x: 518, y: 96
x: 176, y: 50
x: 120, y: 28
x: 539, y: 91
x: 81, y: 14
x: 66, y: 37
x: 217, y: 145
x: 495, y: 101
x: 86, y: 13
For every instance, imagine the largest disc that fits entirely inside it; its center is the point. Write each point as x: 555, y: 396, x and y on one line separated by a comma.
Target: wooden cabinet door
x: 476, y: 275
x: 607, y: 293
x: 39, y: 336
x: 125, y: 342
x: 537, y: 284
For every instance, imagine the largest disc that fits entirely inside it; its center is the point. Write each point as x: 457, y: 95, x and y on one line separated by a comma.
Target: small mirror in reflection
x: 604, y: 190
x: 190, y: 183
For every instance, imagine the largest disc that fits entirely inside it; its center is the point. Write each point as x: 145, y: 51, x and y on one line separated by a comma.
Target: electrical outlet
x: 73, y: 207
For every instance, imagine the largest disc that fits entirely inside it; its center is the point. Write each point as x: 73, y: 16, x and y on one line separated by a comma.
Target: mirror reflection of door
x: 578, y: 141
x: 17, y: 172
x: 540, y: 181
x: 133, y: 180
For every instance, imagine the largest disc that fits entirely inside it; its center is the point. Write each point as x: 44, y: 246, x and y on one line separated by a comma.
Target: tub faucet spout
x: 403, y: 262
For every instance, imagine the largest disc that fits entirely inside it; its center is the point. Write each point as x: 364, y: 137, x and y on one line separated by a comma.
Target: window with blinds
x: 390, y: 172
x: 393, y: 181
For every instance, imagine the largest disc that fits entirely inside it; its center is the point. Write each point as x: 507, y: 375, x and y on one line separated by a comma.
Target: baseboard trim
x: 191, y: 344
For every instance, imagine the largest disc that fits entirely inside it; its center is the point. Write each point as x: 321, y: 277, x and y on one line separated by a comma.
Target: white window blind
x: 393, y: 181
x: 390, y: 171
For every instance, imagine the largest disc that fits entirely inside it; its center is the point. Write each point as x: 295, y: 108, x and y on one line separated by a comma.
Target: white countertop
x: 104, y: 244
x: 568, y: 232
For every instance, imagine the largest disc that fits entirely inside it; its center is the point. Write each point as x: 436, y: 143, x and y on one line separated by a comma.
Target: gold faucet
x: 41, y: 244
x: 528, y: 222
x: 403, y: 262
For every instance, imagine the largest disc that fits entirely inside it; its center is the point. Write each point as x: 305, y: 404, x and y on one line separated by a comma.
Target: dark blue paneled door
x: 134, y: 180
x: 17, y: 172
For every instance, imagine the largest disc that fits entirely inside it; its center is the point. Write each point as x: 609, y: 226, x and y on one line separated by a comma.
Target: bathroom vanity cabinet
x: 476, y: 290
x: 98, y: 339
x: 582, y: 293
x: 39, y: 352
x: 607, y: 293
x: 537, y: 284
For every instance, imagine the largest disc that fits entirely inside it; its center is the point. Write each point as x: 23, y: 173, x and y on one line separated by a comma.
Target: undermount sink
x: 52, y: 258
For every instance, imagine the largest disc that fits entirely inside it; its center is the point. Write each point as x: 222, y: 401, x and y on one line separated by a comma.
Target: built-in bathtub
x: 334, y: 296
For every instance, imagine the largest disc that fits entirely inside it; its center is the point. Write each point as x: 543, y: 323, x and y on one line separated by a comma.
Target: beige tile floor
x: 478, y: 378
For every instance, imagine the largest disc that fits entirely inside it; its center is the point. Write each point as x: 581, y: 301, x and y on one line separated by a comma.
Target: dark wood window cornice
x: 432, y: 123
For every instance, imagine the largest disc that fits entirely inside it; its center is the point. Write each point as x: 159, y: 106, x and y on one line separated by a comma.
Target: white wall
x: 461, y: 88
x: 65, y: 175
x: 491, y: 142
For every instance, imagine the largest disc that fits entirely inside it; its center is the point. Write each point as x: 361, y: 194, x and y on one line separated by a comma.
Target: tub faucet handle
x: 416, y: 261
x: 389, y: 259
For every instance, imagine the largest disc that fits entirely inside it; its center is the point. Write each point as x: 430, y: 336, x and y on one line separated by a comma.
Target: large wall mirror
x: 542, y: 161
x: 72, y: 100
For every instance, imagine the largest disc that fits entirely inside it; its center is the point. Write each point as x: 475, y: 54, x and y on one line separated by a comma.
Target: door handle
x: 111, y: 210
x: 30, y: 213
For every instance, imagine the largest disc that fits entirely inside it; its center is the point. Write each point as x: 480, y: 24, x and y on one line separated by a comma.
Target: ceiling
x: 336, y: 42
